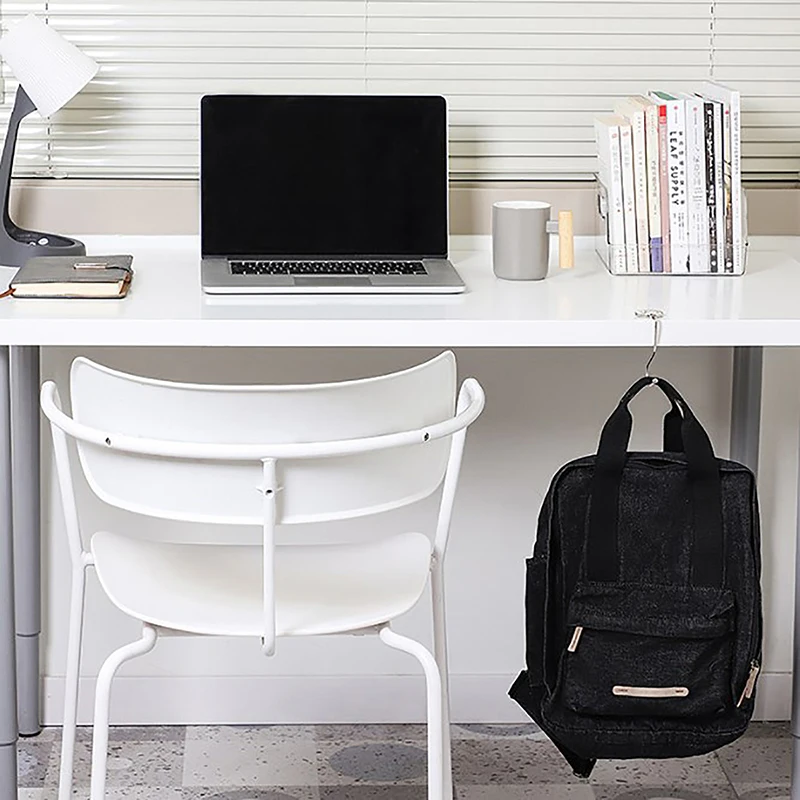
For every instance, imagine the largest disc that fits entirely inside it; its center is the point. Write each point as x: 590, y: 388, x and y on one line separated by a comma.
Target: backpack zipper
x: 576, y: 637
x: 750, y: 686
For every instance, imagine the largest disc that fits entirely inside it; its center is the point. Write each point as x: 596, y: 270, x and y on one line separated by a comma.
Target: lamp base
x: 17, y: 245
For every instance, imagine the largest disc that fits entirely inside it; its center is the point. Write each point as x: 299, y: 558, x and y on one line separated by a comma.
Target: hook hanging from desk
x: 656, y: 315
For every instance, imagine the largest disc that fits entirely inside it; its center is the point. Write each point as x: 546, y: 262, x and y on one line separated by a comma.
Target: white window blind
x: 524, y: 78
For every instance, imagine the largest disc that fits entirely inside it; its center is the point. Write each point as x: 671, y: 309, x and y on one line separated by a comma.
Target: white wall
x: 543, y: 408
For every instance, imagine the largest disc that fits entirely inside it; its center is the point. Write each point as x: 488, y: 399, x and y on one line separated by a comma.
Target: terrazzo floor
x: 387, y: 762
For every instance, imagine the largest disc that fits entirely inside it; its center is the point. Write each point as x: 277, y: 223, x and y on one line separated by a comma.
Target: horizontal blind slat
x: 524, y: 78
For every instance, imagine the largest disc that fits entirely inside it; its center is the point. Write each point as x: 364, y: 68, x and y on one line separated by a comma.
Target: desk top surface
x: 581, y: 307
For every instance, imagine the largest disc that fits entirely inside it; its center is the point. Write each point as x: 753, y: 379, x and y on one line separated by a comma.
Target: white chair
x: 261, y: 456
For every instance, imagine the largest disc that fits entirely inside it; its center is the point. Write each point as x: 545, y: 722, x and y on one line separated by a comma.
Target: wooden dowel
x: 566, y: 240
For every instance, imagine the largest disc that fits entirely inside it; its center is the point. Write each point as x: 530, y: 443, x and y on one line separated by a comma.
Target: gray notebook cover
x: 71, y: 269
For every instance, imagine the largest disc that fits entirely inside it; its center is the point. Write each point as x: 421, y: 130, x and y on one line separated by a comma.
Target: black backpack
x: 643, y: 599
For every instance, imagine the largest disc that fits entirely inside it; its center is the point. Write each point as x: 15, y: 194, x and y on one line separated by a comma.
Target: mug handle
x: 566, y: 239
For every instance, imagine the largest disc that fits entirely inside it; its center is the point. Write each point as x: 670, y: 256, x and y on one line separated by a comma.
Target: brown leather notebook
x: 82, y: 276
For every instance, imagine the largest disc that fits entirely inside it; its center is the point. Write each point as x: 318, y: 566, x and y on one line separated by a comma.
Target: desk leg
x: 27, y: 535
x: 8, y: 678
x: 748, y: 365
x: 795, y: 794
x: 745, y: 418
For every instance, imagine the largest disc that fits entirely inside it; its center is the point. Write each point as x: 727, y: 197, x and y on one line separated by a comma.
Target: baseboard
x: 174, y: 700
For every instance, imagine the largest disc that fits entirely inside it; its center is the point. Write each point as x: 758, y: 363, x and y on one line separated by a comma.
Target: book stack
x: 669, y: 173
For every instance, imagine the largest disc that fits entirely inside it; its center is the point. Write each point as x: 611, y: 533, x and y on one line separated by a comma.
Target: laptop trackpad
x: 308, y: 280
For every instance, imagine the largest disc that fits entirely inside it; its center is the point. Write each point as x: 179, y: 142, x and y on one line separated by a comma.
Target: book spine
x: 616, y: 207
x: 736, y: 184
x: 696, y: 185
x: 711, y: 186
x: 719, y: 184
x: 678, y: 195
x: 663, y: 162
x: 610, y: 172
x: 653, y: 188
x: 640, y: 181
x: 727, y: 184
x: 629, y: 198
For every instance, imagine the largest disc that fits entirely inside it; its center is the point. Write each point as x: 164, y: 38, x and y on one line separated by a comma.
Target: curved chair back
x: 234, y: 428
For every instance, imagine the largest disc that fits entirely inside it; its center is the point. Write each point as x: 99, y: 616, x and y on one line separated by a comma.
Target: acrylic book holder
x: 612, y: 255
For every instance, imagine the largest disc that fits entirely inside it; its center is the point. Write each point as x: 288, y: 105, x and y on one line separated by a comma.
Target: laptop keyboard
x: 328, y: 268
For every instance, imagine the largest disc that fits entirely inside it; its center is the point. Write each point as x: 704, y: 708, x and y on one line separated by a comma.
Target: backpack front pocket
x: 663, y: 651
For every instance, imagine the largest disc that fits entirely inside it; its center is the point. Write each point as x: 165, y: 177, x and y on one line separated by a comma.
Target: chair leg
x: 102, y: 702
x: 440, y: 653
x: 434, y: 698
x: 71, y: 682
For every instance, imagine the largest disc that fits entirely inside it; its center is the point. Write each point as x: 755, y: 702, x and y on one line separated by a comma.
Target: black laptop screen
x: 323, y: 176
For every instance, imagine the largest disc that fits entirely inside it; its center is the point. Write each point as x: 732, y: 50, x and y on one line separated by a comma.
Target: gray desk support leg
x: 748, y: 367
x: 27, y: 537
x: 795, y: 794
x: 8, y: 681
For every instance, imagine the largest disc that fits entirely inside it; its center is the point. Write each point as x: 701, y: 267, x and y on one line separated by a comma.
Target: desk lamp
x: 50, y: 71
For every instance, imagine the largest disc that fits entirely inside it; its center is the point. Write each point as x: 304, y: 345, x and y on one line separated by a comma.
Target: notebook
x: 69, y: 276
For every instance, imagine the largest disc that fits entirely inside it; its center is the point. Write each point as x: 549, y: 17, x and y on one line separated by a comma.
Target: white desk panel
x: 581, y: 307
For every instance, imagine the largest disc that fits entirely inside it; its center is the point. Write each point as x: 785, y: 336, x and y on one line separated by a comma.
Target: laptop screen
x: 323, y: 176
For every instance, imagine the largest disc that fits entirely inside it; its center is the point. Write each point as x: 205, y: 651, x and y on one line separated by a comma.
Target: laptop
x: 324, y: 194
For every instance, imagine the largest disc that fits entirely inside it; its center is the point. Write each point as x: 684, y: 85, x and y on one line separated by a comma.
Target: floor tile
x: 47, y: 734
x: 549, y: 791
x: 758, y: 759
x: 253, y: 760
x: 769, y: 730
x: 389, y: 762
x: 246, y: 734
x: 371, y: 762
x: 143, y: 793
x: 130, y: 764
x: 509, y: 761
x: 36, y: 794
x: 347, y: 734
x: 762, y: 791
x: 135, y: 733
x: 33, y: 762
x: 482, y: 731
x: 373, y: 793
x: 252, y: 793
x: 672, y: 791
x: 704, y: 770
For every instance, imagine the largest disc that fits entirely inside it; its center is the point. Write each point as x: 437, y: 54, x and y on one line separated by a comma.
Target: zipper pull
x: 750, y: 686
x: 576, y: 637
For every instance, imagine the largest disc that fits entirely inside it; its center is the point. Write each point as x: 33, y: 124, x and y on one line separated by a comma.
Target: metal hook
x: 656, y: 315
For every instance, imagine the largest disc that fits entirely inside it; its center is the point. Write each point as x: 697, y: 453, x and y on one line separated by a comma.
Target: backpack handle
x: 673, y: 438
x: 602, y: 551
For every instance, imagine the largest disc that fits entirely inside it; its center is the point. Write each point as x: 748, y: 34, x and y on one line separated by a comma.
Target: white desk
x: 585, y: 307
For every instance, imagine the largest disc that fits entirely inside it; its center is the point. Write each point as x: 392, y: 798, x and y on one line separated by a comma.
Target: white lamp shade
x: 49, y: 68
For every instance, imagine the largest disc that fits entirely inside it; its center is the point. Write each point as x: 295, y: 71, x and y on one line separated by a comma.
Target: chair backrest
x: 311, y: 489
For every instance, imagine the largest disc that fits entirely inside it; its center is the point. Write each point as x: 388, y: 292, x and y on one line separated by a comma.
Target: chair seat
x: 217, y: 589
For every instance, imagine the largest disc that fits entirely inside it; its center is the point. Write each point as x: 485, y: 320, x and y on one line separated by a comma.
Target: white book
x: 696, y: 184
x: 628, y: 194
x: 654, y: 185
x: 634, y: 112
x: 609, y: 163
x: 732, y: 161
x: 678, y: 194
